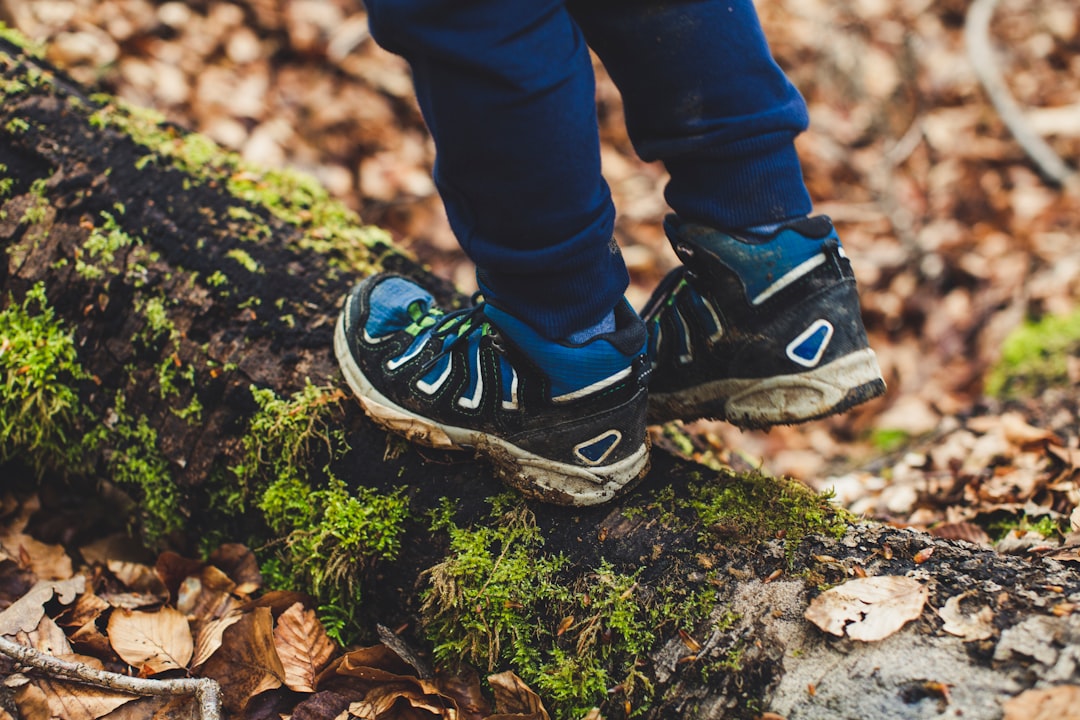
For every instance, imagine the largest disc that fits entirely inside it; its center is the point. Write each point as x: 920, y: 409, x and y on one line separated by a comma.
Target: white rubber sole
x: 779, y: 400
x: 535, y: 476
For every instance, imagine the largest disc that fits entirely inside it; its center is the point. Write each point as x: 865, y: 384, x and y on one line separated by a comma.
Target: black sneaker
x: 758, y: 332
x: 563, y: 423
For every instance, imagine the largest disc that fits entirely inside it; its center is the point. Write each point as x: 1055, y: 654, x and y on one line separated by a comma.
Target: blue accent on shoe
x: 808, y: 347
x: 569, y: 368
x: 760, y: 264
x: 762, y: 231
x: 392, y: 308
x: 596, y: 449
x: 606, y: 325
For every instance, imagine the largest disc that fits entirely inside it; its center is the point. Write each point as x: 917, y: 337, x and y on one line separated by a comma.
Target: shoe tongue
x: 395, y: 304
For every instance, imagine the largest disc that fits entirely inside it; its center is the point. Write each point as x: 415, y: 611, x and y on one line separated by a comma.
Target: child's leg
x: 762, y: 325
x: 703, y: 94
x: 507, y: 91
x: 508, y: 94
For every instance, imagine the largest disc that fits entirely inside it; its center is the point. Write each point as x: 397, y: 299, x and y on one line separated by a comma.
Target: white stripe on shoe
x: 789, y: 277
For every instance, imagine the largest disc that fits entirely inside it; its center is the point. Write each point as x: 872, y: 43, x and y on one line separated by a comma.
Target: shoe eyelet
x: 684, y: 249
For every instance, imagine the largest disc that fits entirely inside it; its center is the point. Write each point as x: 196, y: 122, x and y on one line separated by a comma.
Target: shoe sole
x: 757, y: 403
x: 534, y: 476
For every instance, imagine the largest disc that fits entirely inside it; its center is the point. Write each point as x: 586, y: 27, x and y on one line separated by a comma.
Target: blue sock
x: 606, y: 325
x: 763, y: 231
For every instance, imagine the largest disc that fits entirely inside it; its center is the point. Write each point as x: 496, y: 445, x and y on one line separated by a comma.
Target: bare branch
x: 981, y: 54
x: 206, y: 691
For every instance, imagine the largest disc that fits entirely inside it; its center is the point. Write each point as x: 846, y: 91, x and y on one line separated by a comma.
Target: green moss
x: 284, y: 432
x: 889, y: 440
x: 754, y: 507
x: 244, y: 258
x: 329, y: 535
x: 1035, y: 356
x: 16, y: 126
x: 326, y: 225
x: 1045, y: 525
x: 98, y: 254
x: 15, y: 37
x: 157, y: 319
x: 6, y: 181
x: 41, y: 414
x: 43, y: 421
x: 37, y: 211
x: 135, y: 461
x: 491, y: 600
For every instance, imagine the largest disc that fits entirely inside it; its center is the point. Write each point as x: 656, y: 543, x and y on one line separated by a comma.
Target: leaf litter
x: 255, y: 644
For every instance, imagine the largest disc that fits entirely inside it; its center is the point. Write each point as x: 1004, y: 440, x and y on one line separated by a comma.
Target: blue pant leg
x: 507, y: 91
x: 703, y: 94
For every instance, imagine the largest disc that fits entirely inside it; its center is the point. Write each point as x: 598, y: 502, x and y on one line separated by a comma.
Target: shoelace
x: 465, y: 322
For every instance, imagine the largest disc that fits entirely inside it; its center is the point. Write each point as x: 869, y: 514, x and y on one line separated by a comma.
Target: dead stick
x: 206, y: 691
x: 981, y: 54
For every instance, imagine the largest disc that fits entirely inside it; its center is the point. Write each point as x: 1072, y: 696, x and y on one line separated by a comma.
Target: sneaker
x: 758, y: 332
x: 563, y: 423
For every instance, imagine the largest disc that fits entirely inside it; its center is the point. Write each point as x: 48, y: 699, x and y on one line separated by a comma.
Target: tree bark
x: 249, y: 268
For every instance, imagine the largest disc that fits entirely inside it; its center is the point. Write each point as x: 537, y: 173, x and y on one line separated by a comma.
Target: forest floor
x: 955, y: 238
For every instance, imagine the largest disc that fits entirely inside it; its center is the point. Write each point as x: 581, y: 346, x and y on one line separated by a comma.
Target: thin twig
x: 206, y: 691
x: 981, y: 54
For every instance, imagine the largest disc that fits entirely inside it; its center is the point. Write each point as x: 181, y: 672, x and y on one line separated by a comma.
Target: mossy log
x: 166, y: 316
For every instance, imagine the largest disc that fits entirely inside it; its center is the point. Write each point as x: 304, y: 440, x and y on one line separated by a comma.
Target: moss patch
x: 330, y: 534
x: 754, y: 507
x: 501, y: 599
x: 326, y: 225
x: 136, y: 463
x: 41, y: 414
x: 1035, y: 357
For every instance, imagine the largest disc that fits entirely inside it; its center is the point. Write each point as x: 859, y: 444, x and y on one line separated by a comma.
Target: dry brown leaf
x: 145, y: 708
x: 209, y: 637
x: 49, y: 699
x: 47, y: 637
x: 115, y: 547
x: 89, y: 640
x: 25, y: 613
x: 386, y: 681
x: 868, y: 609
x: 247, y: 663
x: 303, y: 646
x: 978, y: 625
x: 1055, y: 703
x: 1019, y: 432
x: 47, y: 562
x: 138, y: 578
x: 240, y: 565
x: 376, y: 663
x: 514, y: 697
x: 173, y: 569
x: 129, y: 601
x: 86, y: 609
x: 153, y: 642
x: 213, y: 596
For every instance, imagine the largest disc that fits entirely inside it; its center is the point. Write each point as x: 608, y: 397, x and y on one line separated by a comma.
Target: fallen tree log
x: 165, y: 319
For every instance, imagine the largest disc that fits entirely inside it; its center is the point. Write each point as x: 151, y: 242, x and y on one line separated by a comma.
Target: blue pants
x: 507, y: 90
